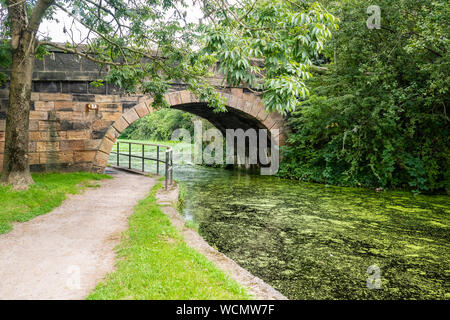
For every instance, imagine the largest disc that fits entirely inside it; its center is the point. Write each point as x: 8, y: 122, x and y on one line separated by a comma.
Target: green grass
x: 155, y: 263
x: 192, y: 225
x: 47, y: 193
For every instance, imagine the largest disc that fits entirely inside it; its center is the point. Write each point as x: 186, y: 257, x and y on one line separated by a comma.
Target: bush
x: 378, y: 118
x: 160, y: 125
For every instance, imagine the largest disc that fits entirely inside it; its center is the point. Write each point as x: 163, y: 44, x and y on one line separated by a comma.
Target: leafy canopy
x: 161, y: 124
x: 145, y: 44
x: 379, y: 117
x: 268, y: 46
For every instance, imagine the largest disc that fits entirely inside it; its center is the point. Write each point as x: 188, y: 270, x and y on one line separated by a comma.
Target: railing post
x: 157, y: 160
x: 143, y: 164
x: 118, y: 157
x: 129, y: 155
x: 168, y: 162
x: 167, y: 167
x: 171, y: 166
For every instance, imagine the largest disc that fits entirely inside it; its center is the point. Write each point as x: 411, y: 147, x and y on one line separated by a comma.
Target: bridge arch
x: 73, y: 125
x: 244, y: 110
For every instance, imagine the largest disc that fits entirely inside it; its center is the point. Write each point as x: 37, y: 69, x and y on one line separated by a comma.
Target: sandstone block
x: 49, y: 125
x: 141, y: 109
x: 78, y: 134
x: 101, y: 124
x: 120, y: 124
x: 106, y: 98
x: 110, y: 107
x: 47, y: 146
x: 35, y: 136
x: 33, y: 125
x: 55, y: 97
x: 32, y: 146
x: 64, y: 115
x: 237, y: 92
x: 33, y: 158
x: 130, y: 116
x: 185, y: 96
x: 64, y: 106
x: 111, y: 116
x: 92, y: 144
x: 56, y: 157
x: 44, y: 105
x: 84, y: 156
x: 101, y: 159
x: 106, y: 145
x: 112, y: 134
x: 72, y: 145
x: 38, y: 115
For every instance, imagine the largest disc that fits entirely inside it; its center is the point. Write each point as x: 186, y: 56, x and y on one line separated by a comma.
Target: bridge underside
x: 232, y: 119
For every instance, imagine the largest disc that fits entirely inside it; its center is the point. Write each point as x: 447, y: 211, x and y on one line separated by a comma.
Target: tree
x: 268, y: 46
x: 161, y: 124
x: 378, y: 117
x: 22, y: 33
x: 143, y: 45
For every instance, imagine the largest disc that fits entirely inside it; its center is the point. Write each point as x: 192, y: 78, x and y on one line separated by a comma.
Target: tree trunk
x: 16, y: 169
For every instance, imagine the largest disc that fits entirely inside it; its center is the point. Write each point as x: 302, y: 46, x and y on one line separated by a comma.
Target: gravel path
x: 65, y: 253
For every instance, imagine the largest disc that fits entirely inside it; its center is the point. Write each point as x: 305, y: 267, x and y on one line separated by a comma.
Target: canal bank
x: 313, y: 241
x: 256, y: 287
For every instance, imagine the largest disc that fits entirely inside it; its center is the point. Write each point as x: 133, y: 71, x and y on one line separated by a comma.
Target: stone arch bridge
x: 66, y: 135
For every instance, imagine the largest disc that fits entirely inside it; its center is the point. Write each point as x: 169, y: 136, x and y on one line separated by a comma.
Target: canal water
x: 313, y: 241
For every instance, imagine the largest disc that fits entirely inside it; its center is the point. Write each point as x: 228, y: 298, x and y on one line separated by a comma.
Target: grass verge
x: 180, y: 206
x: 47, y: 193
x: 155, y: 264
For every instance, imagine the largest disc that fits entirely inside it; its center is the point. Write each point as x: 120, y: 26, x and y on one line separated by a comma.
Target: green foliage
x: 147, y: 47
x: 47, y: 193
x: 269, y: 46
x: 378, y: 118
x: 5, y: 58
x: 156, y: 263
x: 146, y: 44
x: 160, y: 125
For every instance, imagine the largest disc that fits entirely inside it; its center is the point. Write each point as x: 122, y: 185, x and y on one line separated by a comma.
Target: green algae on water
x: 315, y: 242
x: 312, y: 241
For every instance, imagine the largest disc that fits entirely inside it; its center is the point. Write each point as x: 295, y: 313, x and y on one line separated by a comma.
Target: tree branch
x: 18, y: 20
x: 139, y: 52
x: 85, y: 55
x: 38, y: 12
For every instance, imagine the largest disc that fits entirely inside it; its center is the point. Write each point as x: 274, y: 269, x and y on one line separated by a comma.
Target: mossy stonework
x: 312, y: 241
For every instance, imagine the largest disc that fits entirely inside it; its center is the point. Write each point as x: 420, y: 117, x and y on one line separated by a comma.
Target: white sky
x: 54, y: 28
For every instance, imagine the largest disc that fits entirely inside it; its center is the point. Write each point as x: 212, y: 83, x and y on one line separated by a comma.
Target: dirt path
x: 65, y: 253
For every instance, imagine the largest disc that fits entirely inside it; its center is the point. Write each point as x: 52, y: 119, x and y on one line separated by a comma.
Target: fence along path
x: 136, y: 155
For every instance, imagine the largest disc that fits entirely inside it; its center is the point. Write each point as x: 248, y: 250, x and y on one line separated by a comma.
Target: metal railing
x: 131, y: 154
